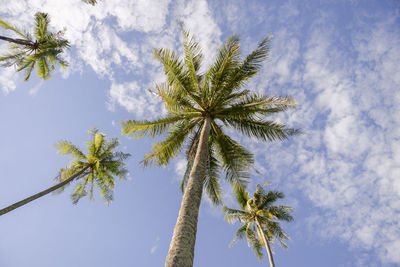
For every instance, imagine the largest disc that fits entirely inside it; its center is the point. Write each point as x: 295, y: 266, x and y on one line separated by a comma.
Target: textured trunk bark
x: 17, y: 41
x: 181, y: 249
x: 40, y: 194
x: 267, y: 247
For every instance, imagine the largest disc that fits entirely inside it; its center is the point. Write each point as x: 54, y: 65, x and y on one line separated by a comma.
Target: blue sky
x: 338, y: 59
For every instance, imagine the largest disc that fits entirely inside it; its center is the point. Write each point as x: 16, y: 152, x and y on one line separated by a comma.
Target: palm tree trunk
x: 181, y: 249
x: 40, y: 194
x: 267, y: 247
x: 17, y: 41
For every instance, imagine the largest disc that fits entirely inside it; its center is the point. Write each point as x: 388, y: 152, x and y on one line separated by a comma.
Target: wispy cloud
x: 347, y: 162
x: 155, y: 247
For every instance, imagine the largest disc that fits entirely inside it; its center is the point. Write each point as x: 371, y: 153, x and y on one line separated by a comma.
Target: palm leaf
x: 241, y: 197
x: 193, y: 58
x: 7, y: 26
x: 175, y: 71
x: 236, y: 160
x: 139, y: 129
x: 41, y: 23
x: 227, y: 59
x: 166, y: 150
x: 211, y: 183
x: 240, y: 234
x: 248, y: 68
x: 67, y: 148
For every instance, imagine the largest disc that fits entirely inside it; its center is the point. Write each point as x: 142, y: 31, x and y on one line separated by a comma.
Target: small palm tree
x: 98, y: 167
x: 199, y: 106
x: 259, y: 215
x: 42, y: 53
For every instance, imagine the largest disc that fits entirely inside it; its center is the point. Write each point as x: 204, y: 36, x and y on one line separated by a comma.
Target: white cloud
x: 155, y: 247
x: 198, y: 18
x: 346, y: 163
x: 134, y: 99
x: 119, y: 37
x: 8, y: 80
x: 180, y: 167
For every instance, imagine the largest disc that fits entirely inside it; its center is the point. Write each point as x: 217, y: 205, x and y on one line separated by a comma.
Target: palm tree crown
x: 42, y: 53
x: 98, y: 167
x: 260, y: 219
x: 191, y: 96
x: 199, y: 106
x: 101, y: 165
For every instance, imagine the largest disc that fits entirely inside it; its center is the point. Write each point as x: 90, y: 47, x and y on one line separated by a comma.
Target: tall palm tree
x: 260, y: 215
x: 43, y: 52
x: 199, y: 106
x: 98, y: 167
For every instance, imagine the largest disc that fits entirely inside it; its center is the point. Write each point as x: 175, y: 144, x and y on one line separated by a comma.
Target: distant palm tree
x: 199, y: 105
x: 27, y: 53
x: 98, y: 167
x: 259, y: 215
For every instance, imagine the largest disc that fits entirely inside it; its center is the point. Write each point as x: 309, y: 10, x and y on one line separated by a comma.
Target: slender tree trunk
x: 181, y: 249
x: 17, y: 41
x: 40, y: 194
x: 267, y: 247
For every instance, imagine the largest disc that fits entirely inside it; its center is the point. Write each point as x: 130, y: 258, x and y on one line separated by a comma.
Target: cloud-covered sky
x: 338, y: 59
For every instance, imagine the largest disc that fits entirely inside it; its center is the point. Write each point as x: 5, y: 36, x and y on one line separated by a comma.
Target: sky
x: 339, y: 60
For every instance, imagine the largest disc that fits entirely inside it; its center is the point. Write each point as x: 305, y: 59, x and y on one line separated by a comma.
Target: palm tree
x: 199, y: 105
x: 98, y: 167
x: 43, y: 52
x: 259, y: 215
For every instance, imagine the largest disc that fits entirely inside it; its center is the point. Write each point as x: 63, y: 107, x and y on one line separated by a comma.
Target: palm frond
x: 261, y: 129
x: 7, y: 26
x: 253, y: 241
x: 139, y: 129
x: 227, y: 59
x: 236, y: 160
x: 177, y: 75
x: 211, y: 183
x: 27, y: 67
x: 41, y: 22
x: 240, y: 234
x: 12, y: 58
x: 249, y: 67
x: 193, y: 58
x: 254, y: 104
x: 43, y: 70
x: 67, y: 148
x: 241, y: 197
x: 281, y: 213
x: 174, y: 103
x: 80, y: 190
x: 186, y: 175
x: 233, y: 215
x: 267, y: 199
x: 166, y: 150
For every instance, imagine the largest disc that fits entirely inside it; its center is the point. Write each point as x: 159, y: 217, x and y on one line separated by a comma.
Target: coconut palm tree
x: 98, y: 167
x: 200, y: 105
x: 43, y: 52
x: 260, y: 219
